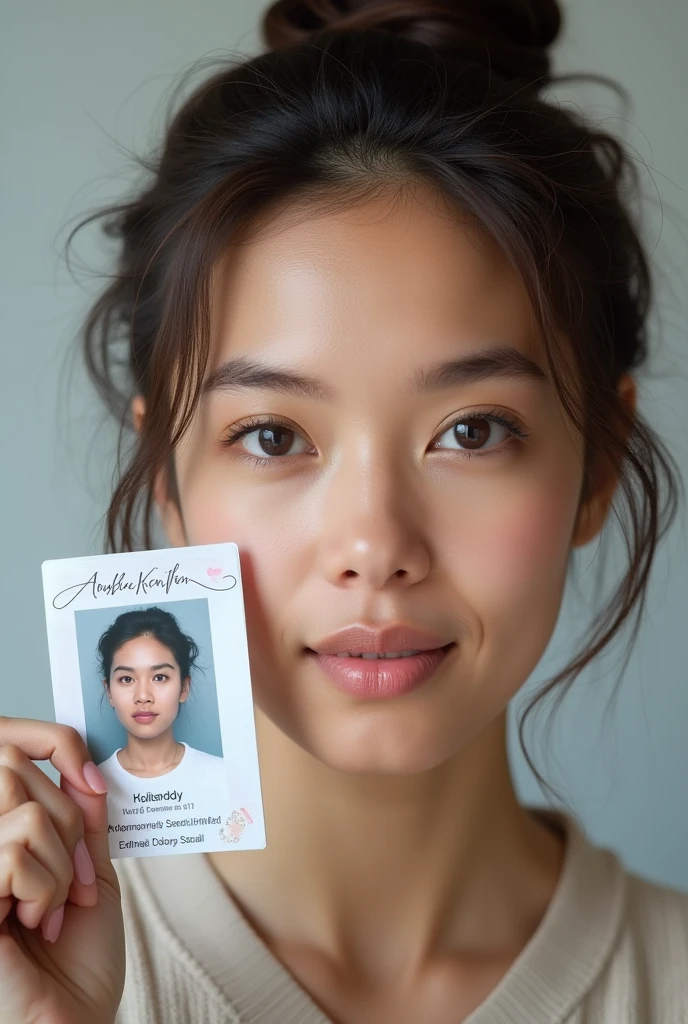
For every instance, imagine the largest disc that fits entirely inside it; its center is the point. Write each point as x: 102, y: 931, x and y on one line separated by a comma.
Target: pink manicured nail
x: 83, y: 865
x: 94, y: 778
x: 51, y: 927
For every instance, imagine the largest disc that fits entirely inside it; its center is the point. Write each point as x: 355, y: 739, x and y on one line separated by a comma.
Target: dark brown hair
x: 155, y: 622
x: 353, y: 97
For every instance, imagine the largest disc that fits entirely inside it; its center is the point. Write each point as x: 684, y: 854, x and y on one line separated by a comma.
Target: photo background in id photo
x: 198, y: 721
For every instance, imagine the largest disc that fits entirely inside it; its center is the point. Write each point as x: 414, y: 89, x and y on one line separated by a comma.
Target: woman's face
x: 146, y: 686
x: 364, y: 508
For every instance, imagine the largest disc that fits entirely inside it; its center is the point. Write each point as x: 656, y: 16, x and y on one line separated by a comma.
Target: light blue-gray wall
x: 83, y: 81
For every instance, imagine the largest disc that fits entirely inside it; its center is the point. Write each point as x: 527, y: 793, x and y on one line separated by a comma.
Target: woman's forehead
x: 372, y: 282
x: 143, y: 643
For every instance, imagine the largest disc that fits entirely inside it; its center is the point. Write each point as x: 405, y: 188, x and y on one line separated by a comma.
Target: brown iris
x: 275, y: 440
x: 465, y: 432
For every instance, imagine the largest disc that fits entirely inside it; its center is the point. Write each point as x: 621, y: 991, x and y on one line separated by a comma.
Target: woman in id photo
x: 155, y: 781
x: 376, y: 310
x: 146, y: 663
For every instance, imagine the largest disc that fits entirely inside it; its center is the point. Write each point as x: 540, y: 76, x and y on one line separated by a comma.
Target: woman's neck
x: 150, y: 757
x: 388, y: 873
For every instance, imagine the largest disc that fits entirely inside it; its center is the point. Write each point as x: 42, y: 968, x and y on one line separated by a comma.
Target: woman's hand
x: 61, y: 931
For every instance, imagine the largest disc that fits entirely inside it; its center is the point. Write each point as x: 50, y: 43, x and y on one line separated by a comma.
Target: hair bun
x: 513, y: 34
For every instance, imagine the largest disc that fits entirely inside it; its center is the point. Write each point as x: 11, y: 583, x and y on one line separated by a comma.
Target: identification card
x: 149, y: 663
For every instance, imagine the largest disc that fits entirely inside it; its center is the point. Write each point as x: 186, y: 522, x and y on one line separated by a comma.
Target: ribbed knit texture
x: 612, y: 948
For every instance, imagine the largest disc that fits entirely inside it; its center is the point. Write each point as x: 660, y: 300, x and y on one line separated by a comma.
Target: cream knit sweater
x: 612, y: 948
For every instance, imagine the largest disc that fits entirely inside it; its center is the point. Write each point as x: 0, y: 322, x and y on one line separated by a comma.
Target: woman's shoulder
x: 202, y: 757
x: 649, y: 968
x: 109, y: 762
x: 657, y: 911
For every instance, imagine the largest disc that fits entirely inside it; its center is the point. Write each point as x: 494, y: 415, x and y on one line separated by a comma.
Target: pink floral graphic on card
x: 235, y: 825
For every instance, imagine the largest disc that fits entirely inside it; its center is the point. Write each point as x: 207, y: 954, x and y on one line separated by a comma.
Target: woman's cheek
x: 122, y: 715
x: 516, y: 550
x: 270, y: 524
x: 270, y: 539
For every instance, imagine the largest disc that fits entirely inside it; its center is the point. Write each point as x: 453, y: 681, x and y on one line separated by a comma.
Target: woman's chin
x: 409, y: 741
x: 145, y: 732
x: 383, y: 751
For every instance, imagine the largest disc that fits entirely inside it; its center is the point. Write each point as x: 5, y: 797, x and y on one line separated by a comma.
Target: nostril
x: 350, y: 572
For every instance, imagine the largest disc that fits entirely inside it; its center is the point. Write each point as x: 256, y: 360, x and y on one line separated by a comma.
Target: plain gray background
x: 84, y: 81
x: 198, y: 721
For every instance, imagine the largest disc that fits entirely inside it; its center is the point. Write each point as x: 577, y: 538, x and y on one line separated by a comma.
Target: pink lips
x: 385, y: 677
x: 380, y: 677
x: 145, y: 716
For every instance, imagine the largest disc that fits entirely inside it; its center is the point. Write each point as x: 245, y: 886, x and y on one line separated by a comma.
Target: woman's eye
x: 159, y: 677
x: 124, y: 679
x: 268, y: 440
x: 474, y: 435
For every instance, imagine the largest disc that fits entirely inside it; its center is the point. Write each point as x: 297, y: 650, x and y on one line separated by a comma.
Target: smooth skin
x: 401, y: 876
x: 145, y: 676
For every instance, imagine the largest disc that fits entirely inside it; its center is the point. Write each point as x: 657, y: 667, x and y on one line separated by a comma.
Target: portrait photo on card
x: 163, y: 700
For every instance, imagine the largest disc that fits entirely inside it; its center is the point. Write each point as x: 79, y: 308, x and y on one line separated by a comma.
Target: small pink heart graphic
x: 214, y: 572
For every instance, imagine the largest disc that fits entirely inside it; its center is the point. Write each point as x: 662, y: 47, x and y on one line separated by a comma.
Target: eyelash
x: 493, y: 416
x: 123, y: 679
x: 234, y: 434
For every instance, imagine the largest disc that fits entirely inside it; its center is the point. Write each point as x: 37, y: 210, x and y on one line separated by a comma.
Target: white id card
x: 149, y: 662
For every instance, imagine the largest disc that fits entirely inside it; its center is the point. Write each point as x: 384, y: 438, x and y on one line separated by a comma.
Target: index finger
x: 60, y: 744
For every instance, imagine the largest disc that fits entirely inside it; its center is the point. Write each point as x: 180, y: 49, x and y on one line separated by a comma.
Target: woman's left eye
x: 159, y: 676
x: 470, y: 434
x: 264, y: 440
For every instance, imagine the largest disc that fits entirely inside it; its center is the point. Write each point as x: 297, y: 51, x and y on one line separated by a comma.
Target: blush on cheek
x: 267, y: 573
x: 518, y: 550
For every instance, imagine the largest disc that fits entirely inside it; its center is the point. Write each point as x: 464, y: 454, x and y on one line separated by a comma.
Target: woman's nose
x: 373, y: 532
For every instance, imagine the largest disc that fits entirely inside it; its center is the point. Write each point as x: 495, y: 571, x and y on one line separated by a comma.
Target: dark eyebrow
x: 128, y: 668
x: 499, y: 361
x: 238, y: 374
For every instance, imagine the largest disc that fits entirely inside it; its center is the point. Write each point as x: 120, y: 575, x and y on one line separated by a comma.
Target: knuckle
x: 12, y: 855
x: 70, y: 739
x: 12, y: 756
x: 34, y: 815
x: 11, y: 790
x: 69, y: 734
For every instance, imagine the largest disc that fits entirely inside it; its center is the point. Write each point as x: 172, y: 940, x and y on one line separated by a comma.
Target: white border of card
x: 214, y: 803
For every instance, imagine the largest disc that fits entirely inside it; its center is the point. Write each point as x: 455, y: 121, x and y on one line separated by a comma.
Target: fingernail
x: 94, y: 778
x: 83, y: 865
x: 52, y: 925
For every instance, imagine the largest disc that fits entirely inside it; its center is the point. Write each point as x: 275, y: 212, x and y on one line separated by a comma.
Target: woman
x: 408, y: 302
x: 145, y: 662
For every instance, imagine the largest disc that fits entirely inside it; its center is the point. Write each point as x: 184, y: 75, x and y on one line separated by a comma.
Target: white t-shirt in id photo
x: 192, y: 808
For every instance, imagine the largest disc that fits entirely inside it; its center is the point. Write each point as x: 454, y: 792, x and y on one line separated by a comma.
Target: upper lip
x: 142, y: 712
x: 361, y: 639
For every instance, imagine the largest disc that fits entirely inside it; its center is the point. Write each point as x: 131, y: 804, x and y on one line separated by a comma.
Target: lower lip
x: 382, y: 677
x: 144, y: 719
